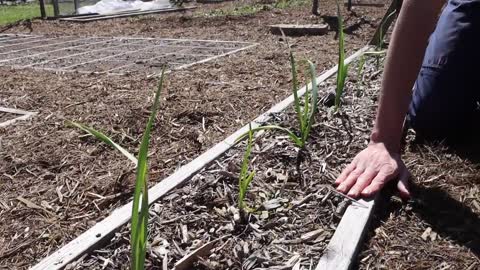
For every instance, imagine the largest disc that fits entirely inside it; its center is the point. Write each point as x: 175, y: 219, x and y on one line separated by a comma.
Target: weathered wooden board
x: 212, y: 1
x: 366, y: 3
x: 347, y: 239
x: 23, y: 115
x: 299, y: 29
x: 105, y: 228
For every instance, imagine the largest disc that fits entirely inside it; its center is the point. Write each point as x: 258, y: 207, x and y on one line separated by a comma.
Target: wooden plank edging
x: 348, y: 237
x: 105, y: 228
x: 24, y: 116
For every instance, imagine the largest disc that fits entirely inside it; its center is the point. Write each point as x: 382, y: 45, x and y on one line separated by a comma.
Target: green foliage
x: 305, y: 113
x: 381, y: 36
x: 360, y: 67
x: 252, y: 9
x: 139, y: 221
x: 245, y: 177
x: 138, y: 238
x: 282, y: 4
x: 15, y: 13
x: 104, y: 138
x: 245, y: 10
x: 342, y: 67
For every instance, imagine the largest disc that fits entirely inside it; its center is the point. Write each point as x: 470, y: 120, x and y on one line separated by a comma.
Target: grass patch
x: 245, y: 10
x: 14, y: 13
x: 252, y: 9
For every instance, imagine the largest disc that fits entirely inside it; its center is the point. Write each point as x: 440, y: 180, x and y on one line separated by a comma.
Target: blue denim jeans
x: 447, y: 90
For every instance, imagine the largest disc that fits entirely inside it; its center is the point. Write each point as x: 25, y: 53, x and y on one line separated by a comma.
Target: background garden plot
x: 110, y: 55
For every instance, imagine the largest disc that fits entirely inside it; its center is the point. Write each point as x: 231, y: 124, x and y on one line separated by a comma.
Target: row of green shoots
x: 305, y: 111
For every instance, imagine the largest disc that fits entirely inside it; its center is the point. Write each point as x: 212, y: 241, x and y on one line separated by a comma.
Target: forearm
x: 414, y: 25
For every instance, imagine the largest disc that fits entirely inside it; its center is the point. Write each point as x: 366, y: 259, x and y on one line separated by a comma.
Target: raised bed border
x: 24, y: 116
x: 299, y: 29
x: 104, y: 229
x: 342, y: 249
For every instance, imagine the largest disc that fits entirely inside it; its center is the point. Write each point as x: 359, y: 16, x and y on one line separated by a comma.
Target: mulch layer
x: 295, y: 209
x: 439, y: 228
x: 56, y: 182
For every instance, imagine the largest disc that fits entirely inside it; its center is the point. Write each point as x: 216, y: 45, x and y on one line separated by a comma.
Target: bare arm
x: 380, y: 162
x: 405, y: 54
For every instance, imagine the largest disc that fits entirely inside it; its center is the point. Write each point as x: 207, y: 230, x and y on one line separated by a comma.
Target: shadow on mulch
x: 448, y: 217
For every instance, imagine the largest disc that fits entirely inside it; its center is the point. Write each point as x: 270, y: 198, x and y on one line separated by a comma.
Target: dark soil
x: 56, y: 182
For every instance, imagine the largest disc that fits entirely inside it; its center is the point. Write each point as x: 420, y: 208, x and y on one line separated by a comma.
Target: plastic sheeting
x: 112, y: 6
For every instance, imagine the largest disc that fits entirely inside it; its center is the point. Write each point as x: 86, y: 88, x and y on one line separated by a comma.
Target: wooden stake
x: 42, y: 9
x: 56, y: 10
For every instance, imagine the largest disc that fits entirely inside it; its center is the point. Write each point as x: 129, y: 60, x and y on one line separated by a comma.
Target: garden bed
x: 78, y: 182
x: 296, y: 211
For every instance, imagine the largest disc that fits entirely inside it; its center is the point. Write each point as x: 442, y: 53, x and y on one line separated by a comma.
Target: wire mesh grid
x: 110, y: 55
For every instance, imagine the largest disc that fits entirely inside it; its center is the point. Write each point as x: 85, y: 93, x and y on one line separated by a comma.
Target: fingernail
x: 352, y: 194
x: 366, y: 191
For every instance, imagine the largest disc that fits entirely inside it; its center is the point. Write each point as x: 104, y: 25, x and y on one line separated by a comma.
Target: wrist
x: 391, y: 143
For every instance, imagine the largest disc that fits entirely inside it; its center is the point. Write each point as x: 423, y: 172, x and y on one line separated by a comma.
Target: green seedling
x: 361, y: 65
x: 305, y: 113
x: 139, y: 220
x: 245, y: 177
x: 342, y: 67
x: 104, y: 138
x: 381, y: 36
x: 138, y: 238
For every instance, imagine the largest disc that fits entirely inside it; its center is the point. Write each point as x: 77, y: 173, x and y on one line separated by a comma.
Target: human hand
x: 371, y: 169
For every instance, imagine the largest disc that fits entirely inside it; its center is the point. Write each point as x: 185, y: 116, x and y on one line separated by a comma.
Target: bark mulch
x: 439, y: 228
x: 295, y: 210
x: 55, y: 182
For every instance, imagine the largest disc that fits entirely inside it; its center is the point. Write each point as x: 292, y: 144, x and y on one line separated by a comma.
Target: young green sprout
x: 381, y: 36
x: 245, y: 177
x: 139, y: 221
x: 342, y: 67
x: 138, y: 238
x: 305, y: 113
x: 360, y: 67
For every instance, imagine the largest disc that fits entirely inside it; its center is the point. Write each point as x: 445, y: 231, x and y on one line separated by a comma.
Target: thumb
x: 403, y: 186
